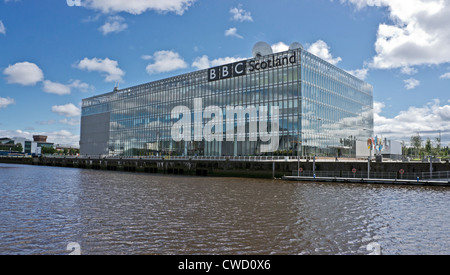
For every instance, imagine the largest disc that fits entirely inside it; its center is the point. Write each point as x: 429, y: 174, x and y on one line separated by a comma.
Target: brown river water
x: 43, y: 209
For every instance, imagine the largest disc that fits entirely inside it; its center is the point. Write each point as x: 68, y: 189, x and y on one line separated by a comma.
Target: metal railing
x: 439, y: 175
x: 223, y: 158
x: 214, y: 158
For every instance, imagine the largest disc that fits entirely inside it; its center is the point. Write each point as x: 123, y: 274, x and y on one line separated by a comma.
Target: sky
x: 54, y: 53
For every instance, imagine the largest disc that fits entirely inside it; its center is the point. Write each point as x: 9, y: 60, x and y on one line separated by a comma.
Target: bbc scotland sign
x: 240, y: 68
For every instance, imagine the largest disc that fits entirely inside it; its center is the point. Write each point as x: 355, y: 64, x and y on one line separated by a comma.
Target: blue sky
x: 54, y: 53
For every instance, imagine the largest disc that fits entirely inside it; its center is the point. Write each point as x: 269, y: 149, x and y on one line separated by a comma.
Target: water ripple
x: 42, y: 209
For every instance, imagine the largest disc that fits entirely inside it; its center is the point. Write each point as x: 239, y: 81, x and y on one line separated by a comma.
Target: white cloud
x: 114, y: 24
x: 203, y: 62
x: 107, y: 67
x: 83, y: 87
x: 146, y: 57
x: 65, y: 89
x: 411, y: 83
x: 2, y: 28
x: 408, y: 70
x: 378, y: 107
x: 279, y: 47
x: 91, y: 18
x: 46, y: 122
x: 62, y: 137
x: 56, y: 88
x: 322, y: 50
x: 240, y: 14
x: 233, y: 32
x: 71, y: 122
x: 359, y: 73
x: 24, y: 73
x: 138, y: 6
x: 68, y: 110
x: 418, y: 34
x: 165, y: 61
x: 446, y: 75
x: 4, y: 102
x: 427, y: 120
x: 15, y: 133
x: 29, y: 74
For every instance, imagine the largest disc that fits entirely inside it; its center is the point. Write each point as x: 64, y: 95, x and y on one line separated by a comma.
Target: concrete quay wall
x: 226, y: 167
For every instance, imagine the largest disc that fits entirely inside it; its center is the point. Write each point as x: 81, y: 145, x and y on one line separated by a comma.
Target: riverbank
x: 347, y: 170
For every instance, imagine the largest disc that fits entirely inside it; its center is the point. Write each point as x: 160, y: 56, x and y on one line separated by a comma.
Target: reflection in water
x: 42, y: 209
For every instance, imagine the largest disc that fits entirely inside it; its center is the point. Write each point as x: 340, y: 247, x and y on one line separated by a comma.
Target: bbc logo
x: 227, y: 71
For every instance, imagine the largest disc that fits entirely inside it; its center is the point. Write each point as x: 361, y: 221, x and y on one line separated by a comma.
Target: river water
x: 43, y: 209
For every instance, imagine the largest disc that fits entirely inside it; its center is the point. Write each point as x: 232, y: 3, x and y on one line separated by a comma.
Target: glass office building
x: 321, y: 110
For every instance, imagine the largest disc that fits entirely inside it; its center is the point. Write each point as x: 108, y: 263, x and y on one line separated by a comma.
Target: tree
x: 428, y: 146
x: 47, y: 150
x: 19, y: 147
x: 438, y: 145
x: 404, y: 148
x: 416, y: 142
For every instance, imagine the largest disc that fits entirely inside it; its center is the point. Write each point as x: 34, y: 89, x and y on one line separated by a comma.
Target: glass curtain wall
x: 337, y: 109
x: 322, y: 110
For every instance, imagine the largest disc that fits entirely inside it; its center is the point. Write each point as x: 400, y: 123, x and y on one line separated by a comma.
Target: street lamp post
x: 370, y: 145
x: 314, y: 166
x: 369, y: 158
x: 431, y: 167
x: 299, y: 144
x: 298, y: 158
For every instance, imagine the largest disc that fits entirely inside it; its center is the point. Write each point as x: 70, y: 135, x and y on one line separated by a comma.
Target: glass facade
x: 323, y: 110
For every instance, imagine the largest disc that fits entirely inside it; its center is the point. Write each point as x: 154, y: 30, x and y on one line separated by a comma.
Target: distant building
x: 10, y: 145
x: 5, y: 140
x: 6, y: 144
x: 28, y: 146
x: 20, y: 140
x: 392, y: 150
x: 38, y: 138
x: 34, y: 147
x: 67, y: 149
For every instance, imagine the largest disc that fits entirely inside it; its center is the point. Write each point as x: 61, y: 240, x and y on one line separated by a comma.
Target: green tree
x: 19, y: 147
x: 404, y: 148
x: 438, y: 146
x: 416, y: 142
x: 428, y: 146
x: 47, y: 150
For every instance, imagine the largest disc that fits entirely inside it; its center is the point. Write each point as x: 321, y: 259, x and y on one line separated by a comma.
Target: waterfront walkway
x: 290, y: 168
